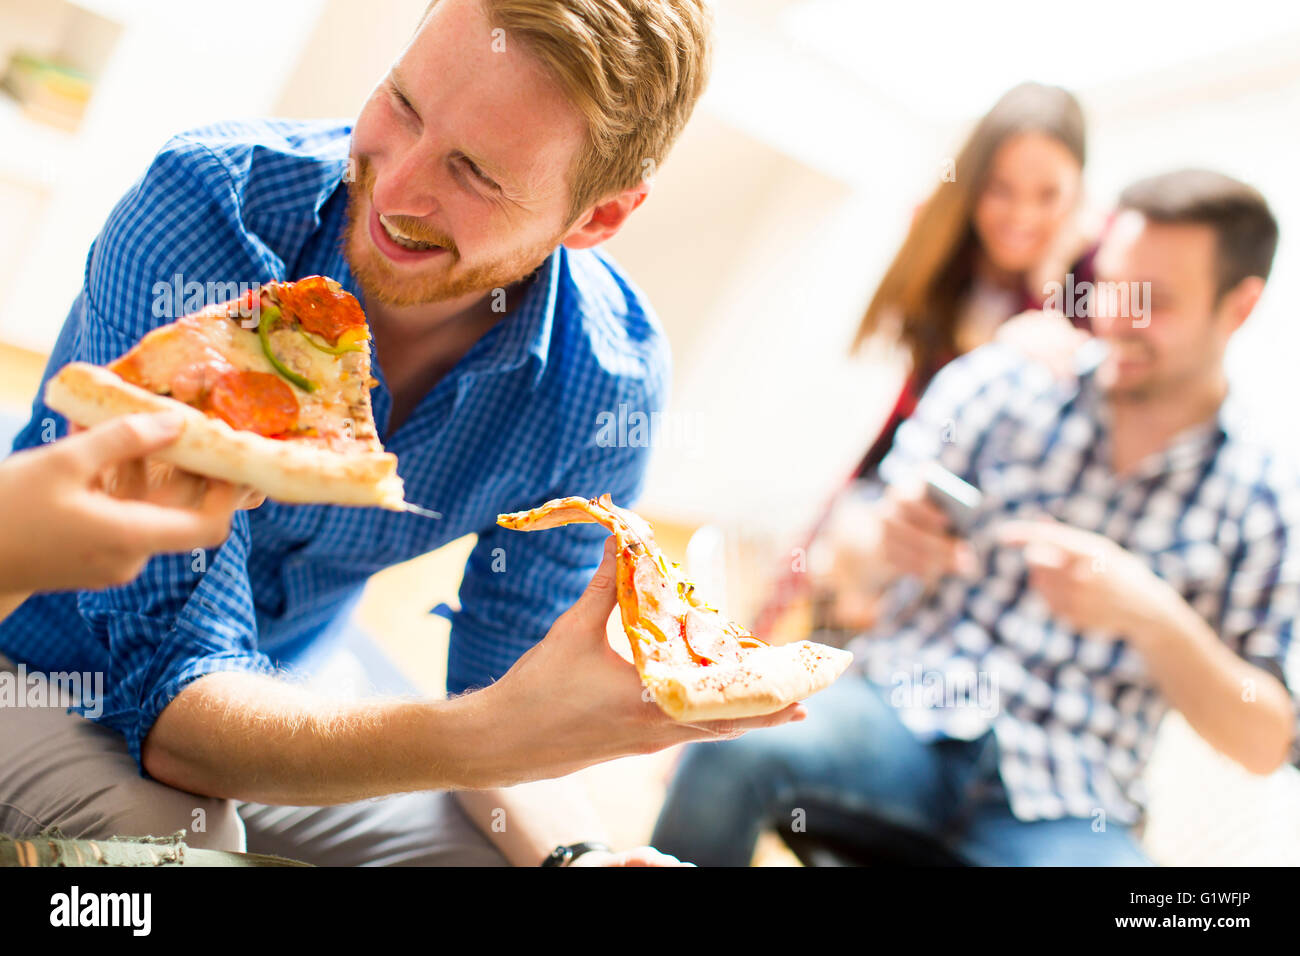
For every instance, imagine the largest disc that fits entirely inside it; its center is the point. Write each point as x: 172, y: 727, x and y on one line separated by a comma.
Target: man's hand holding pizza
x: 572, y: 701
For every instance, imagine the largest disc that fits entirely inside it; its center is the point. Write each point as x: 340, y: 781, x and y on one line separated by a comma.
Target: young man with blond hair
x: 509, y: 139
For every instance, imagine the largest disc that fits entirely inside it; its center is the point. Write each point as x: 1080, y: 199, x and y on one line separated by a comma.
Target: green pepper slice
x: 270, y: 314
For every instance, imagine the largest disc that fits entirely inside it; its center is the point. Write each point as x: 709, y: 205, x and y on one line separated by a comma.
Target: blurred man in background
x: 1133, y: 552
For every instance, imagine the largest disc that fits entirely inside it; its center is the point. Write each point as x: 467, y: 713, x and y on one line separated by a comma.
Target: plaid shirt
x: 1075, y: 716
x: 515, y: 422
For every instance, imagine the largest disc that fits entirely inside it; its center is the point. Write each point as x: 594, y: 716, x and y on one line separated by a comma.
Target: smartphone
x: 959, y: 500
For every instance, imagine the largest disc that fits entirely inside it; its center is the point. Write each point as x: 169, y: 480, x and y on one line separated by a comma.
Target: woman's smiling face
x: 1032, y: 188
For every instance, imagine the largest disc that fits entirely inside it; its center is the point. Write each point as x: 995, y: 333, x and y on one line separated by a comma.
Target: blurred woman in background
x: 981, y: 250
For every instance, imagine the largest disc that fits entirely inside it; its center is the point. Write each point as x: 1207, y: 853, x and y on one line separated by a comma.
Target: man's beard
x: 1138, y: 394
x: 381, y: 281
x: 1140, y: 391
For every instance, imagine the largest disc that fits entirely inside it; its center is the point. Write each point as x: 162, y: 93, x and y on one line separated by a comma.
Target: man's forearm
x: 528, y: 821
x: 251, y: 737
x: 1240, y: 709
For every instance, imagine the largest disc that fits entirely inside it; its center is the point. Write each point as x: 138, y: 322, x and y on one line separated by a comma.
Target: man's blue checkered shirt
x: 514, y: 423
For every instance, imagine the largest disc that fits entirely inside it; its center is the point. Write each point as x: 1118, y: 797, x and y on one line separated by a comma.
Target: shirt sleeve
x: 517, y: 583
x: 175, y: 242
x: 1262, y: 598
x: 186, y: 615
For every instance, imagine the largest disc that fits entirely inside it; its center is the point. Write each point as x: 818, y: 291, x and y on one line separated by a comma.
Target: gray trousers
x: 60, y: 769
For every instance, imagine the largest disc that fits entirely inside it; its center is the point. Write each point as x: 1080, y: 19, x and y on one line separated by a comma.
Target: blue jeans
x: 852, y: 760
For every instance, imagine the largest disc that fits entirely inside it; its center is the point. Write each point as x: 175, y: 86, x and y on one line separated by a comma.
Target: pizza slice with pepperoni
x: 696, y: 663
x: 274, y: 388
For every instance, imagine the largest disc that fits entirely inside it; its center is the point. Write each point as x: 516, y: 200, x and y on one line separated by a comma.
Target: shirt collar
x: 525, y: 331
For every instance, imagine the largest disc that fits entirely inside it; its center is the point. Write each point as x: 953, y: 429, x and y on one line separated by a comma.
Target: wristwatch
x: 564, y: 855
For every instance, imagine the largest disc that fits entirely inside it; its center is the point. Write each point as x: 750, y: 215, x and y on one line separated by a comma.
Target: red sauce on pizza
x: 319, y: 308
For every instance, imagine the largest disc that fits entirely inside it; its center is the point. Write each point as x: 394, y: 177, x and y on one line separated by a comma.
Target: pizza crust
x: 766, y: 680
x: 284, y: 470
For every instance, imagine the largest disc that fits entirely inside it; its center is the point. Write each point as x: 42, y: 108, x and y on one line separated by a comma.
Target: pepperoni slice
x: 258, y: 402
x: 321, y: 306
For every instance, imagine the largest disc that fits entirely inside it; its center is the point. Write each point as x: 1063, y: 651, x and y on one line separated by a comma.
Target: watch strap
x: 565, y: 854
